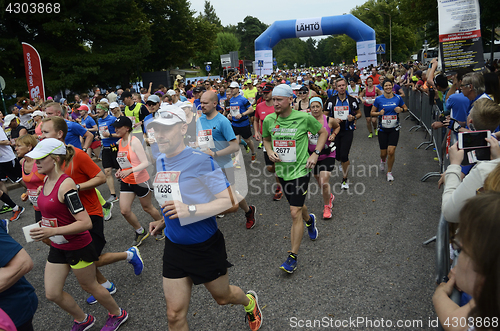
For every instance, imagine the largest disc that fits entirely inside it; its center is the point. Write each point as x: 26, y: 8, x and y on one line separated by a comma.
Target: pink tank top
x: 313, y: 138
x: 371, y: 95
x: 55, y: 214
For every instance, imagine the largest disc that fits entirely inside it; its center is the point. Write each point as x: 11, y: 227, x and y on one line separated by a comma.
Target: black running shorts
x: 295, y: 190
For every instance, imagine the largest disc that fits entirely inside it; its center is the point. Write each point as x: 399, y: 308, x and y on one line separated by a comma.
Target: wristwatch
x: 192, y: 209
x: 317, y: 152
x: 85, y: 150
x: 78, y: 187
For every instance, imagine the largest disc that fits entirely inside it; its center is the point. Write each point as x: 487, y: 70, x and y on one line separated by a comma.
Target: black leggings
x: 343, y: 141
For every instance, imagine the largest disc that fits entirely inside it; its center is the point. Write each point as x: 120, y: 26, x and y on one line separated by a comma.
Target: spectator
x: 16, y: 130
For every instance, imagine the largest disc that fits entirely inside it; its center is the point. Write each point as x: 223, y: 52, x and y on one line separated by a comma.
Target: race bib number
x: 370, y: 101
x: 341, y: 112
x: 151, y: 134
x: 286, y: 150
x: 205, y: 139
x: 123, y: 160
x: 234, y: 110
x: 313, y: 138
x: 103, y: 129
x: 33, y: 197
x: 166, y: 186
x: 308, y: 111
x: 199, y: 112
x: 132, y: 118
x: 222, y: 103
x: 52, y: 223
x: 389, y: 121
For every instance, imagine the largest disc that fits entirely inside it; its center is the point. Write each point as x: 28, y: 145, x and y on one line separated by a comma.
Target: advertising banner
x: 367, y: 53
x: 264, y: 59
x: 34, y: 74
x: 460, y: 41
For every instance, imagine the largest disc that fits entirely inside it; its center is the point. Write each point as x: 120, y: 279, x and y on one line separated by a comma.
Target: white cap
x: 104, y: 100
x: 234, y: 85
x: 171, y: 92
x: 46, y: 147
x: 295, y: 86
x: 154, y: 98
x: 255, y: 82
x: 38, y: 113
x: 114, y: 105
x: 8, y: 119
x: 169, y: 115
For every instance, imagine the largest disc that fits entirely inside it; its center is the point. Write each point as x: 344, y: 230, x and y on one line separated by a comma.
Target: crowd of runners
x: 182, y: 147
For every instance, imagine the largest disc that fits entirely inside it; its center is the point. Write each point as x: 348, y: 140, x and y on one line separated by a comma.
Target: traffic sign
x: 275, y: 63
x: 207, y: 68
x: 260, y: 63
x: 380, y: 48
x: 2, y: 83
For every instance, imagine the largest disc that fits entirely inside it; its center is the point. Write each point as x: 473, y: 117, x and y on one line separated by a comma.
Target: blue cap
x: 282, y: 90
x: 316, y: 99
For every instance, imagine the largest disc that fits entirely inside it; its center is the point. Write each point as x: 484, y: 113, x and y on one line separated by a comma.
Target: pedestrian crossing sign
x: 380, y: 48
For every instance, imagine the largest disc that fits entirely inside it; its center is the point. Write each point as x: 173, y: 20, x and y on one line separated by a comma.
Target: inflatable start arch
x: 308, y: 27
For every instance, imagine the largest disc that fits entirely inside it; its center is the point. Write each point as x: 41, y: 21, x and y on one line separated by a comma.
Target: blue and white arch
x: 309, y: 27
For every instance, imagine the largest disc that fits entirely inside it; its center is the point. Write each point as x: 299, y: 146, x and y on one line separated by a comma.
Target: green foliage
x: 247, y: 31
x: 225, y: 42
x: 210, y: 15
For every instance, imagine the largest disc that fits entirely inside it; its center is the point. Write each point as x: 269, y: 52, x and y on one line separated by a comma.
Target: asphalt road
x: 368, y: 264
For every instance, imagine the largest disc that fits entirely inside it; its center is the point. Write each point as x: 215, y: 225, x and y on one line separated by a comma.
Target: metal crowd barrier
x: 425, y: 114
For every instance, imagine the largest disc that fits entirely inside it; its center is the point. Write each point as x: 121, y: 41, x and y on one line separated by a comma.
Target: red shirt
x: 81, y: 169
x: 261, y: 111
x: 376, y: 80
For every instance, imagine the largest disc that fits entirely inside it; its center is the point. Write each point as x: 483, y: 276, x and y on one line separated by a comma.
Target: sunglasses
x: 169, y: 115
x: 302, y: 92
x: 151, y: 104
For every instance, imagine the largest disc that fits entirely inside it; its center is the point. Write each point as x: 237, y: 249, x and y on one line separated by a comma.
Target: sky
x: 234, y: 11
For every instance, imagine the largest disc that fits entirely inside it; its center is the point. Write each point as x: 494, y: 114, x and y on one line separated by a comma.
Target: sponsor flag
x: 34, y: 74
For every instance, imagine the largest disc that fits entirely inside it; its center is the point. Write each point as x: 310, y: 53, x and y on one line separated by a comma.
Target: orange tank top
x: 127, y: 159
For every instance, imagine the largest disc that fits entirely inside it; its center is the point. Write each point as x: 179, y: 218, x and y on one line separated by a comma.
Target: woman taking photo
x: 134, y: 177
x: 66, y: 223
x: 368, y: 96
x: 387, y: 107
x: 326, y: 160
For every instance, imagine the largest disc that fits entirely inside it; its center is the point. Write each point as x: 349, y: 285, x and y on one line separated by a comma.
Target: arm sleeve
x: 456, y: 193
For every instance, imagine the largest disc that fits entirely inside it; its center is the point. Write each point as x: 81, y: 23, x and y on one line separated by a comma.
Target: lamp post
x: 390, y: 31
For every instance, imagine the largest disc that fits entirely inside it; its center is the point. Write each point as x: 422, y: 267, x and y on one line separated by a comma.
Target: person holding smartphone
x: 387, y: 107
x: 66, y: 223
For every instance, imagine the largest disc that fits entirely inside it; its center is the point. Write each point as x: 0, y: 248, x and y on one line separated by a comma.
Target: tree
x: 247, y: 32
x: 210, y: 15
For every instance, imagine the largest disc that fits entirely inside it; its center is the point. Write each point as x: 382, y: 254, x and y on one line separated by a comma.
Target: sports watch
x: 192, y: 209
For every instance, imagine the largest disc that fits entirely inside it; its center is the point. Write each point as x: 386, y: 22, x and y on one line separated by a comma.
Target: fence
x: 425, y: 113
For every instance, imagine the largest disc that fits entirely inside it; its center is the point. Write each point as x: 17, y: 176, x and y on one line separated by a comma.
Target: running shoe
x: 390, y: 177
x: 290, y: 265
x: 376, y: 132
x: 332, y: 198
x: 327, y: 212
x: 91, y: 300
x: 85, y: 325
x: 139, y: 238
x: 5, y: 223
x: 136, y: 260
x: 278, y: 194
x: 236, y: 164
x: 17, y: 214
x: 114, y: 321
x: 254, y: 157
x: 255, y: 317
x: 250, y: 217
x: 113, y: 198
x: 311, y: 228
x: 382, y: 165
x: 5, y: 209
x: 247, y: 149
x: 160, y: 236
x: 345, y: 185
x: 370, y: 135
x: 220, y: 216
x: 260, y: 145
x: 107, y: 212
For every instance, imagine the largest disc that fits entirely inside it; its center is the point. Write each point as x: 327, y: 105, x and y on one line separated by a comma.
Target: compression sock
x: 243, y: 142
x: 5, y: 198
x: 251, y: 304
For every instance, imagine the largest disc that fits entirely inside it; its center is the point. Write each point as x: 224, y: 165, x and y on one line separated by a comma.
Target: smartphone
x: 473, y: 139
x: 73, y: 202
